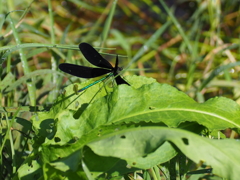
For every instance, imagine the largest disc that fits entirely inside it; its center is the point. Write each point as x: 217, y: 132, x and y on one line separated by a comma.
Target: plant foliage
x: 140, y: 127
x: 183, y: 123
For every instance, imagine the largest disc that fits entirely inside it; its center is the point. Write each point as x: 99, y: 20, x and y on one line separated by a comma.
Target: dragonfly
x: 104, y: 67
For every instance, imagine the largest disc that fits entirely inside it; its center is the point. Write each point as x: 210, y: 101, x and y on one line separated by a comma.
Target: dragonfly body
x: 89, y: 72
x: 109, y: 75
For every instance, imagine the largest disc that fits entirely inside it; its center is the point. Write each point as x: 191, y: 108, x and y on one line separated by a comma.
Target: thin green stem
x: 109, y: 21
x: 26, y: 70
x: 53, y: 94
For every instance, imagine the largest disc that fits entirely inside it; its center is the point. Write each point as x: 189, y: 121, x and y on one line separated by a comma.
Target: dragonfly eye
x: 120, y: 68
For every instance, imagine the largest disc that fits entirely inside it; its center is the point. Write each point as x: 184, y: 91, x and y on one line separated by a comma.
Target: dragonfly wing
x: 82, y: 71
x: 120, y: 80
x: 93, y: 56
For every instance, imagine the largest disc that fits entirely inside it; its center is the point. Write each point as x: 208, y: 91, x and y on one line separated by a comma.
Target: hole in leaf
x: 76, y: 104
x: 51, y: 125
x: 49, y: 130
x: 57, y: 139
x: 73, y: 140
x: 185, y: 141
x: 123, y: 137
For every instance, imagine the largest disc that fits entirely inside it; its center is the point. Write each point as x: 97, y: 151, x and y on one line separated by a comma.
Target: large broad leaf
x: 153, y: 104
x: 222, y: 155
x: 158, y: 103
x: 72, y: 100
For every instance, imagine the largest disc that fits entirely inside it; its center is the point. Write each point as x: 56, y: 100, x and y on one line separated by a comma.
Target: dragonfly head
x: 120, y: 68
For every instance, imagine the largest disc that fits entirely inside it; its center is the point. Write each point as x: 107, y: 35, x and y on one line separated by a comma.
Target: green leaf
x: 29, y: 171
x: 7, y: 81
x: 158, y: 103
x: 78, y: 102
x: 222, y: 155
x: 153, y: 158
x: 151, y: 103
x: 65, y: 164
x: 102, y: 116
